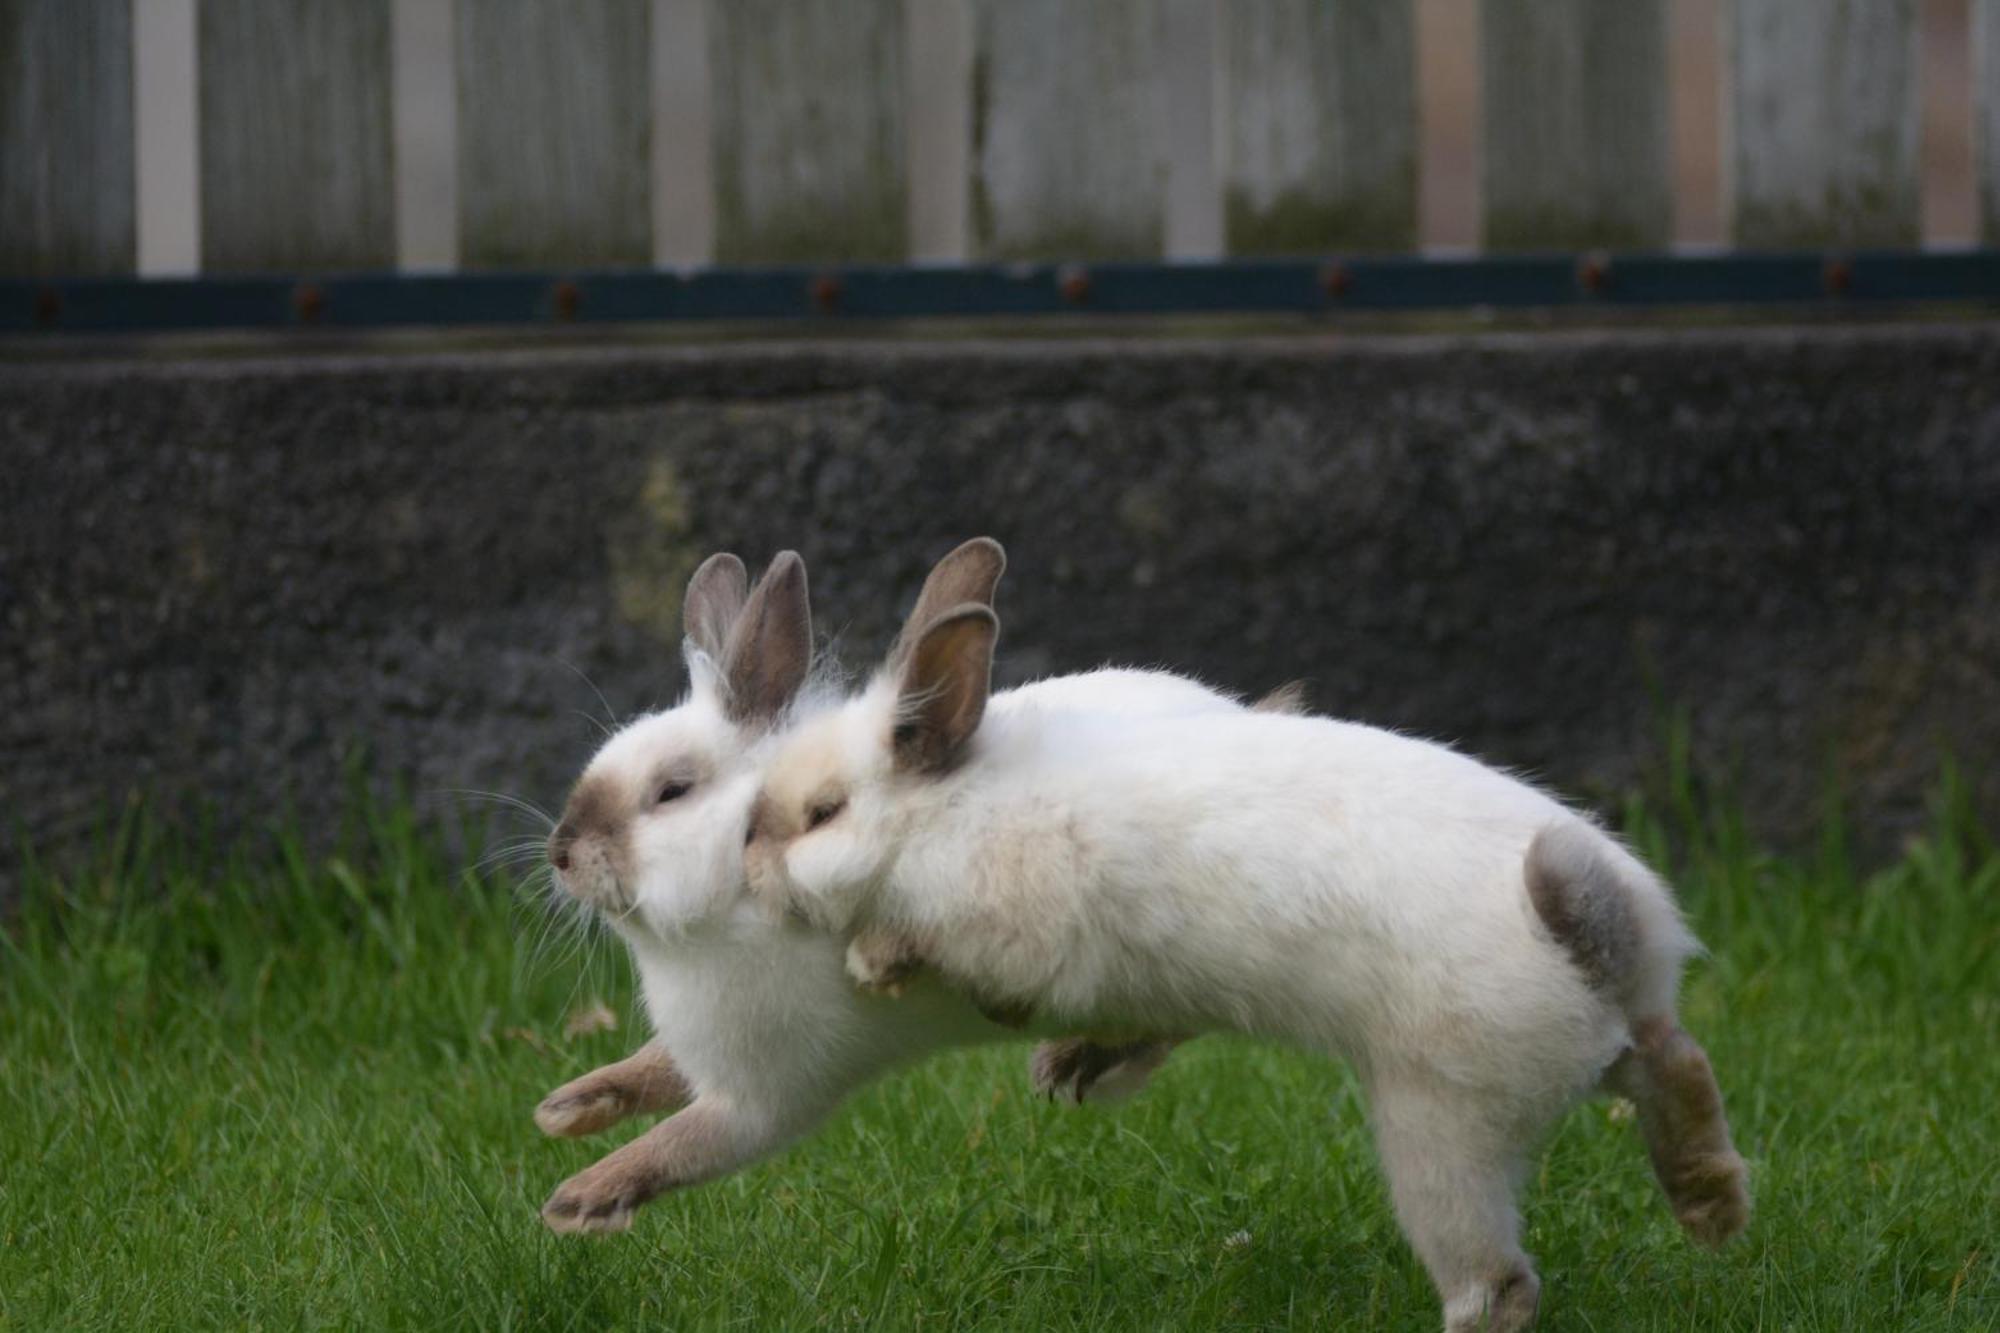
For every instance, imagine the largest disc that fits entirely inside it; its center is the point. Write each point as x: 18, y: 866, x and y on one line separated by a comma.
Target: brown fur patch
x: 1517, y: 1298
x: 883, y: 961
x: 943, y: 690
x: 646, y: 1080
x: 1584, y: 903
x: 715, y: 597
x: 1288, y: 699
x: 969, y: 573
x: 597, y: 811
x: 1669, y: 1078
x: 1071, y: 1066
x: 694, y: 1145
x: 769, y: 650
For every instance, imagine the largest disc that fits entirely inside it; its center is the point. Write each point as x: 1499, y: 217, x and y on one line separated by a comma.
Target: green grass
x: 258, y: 1089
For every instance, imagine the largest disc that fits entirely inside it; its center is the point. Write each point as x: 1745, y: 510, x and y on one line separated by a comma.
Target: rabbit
x: 758, y: 1033
x: 1480, y: 953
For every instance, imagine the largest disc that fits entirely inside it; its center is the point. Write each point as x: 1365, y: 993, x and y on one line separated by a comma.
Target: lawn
x: 255, y: 1088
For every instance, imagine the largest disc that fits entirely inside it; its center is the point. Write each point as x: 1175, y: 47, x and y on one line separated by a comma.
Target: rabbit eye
x: 821, y: 812
x: 673, y: 791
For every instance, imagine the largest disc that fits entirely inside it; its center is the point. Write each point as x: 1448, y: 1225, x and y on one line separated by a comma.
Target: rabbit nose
x: 559, y: 845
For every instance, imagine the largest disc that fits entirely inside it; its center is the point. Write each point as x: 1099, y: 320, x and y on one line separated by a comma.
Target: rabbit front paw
x: 646, y: 1080
x: 571, y: 1114
x: 598, y: 1201
x: 882, y: 961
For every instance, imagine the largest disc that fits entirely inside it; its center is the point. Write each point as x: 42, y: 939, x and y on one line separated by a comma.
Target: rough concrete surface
x: 219, y: 576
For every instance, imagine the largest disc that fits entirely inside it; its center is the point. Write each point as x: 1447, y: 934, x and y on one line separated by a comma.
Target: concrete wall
x: 220, y: 574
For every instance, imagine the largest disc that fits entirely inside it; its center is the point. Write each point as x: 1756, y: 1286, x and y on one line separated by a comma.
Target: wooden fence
x: 236, y: 136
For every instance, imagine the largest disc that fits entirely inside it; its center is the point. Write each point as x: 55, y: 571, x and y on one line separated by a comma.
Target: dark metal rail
x: 1302, y: 286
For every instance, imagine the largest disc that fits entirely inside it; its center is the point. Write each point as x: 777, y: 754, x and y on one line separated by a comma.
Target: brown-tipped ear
x: 969, y: 573
x: 942, y: 692
x: 1289, y: 698
x: 715, y: 597
x: 769, y: 649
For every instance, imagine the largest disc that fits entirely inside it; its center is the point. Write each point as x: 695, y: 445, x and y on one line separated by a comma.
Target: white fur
x: 756, y: 1011
x: 1343, y: 888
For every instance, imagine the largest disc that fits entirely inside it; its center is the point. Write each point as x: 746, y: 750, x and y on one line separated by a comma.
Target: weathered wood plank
x: 296, y: 157
x: 554, y: 116
x: 683, y: 165
x: 426, y: 129
x: 938, y: 46
x: 1577, y: 135
x: 1067, y: 115
x: 1986, y: 114
x: 809, y: 115
x: 167, y: 138
x: 1317, y: 103
x: 1824, y: 119
x: 66, y: 158
x: 1192, y: 228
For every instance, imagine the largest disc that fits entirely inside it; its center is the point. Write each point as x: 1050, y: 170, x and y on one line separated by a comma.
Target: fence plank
x: 1824, y: 116
x: 554, y: 115
x: 66, y: 163
x: 1192, y: 228
x: 1986, y: 114
x: 1067, y: 113
x: 426, y: 129
x: 295, y: 135
x: 938, y: 56
x: 1577, y: 136
x: 1318, y: 125
x: 809, y: 115
x: 683, y: 165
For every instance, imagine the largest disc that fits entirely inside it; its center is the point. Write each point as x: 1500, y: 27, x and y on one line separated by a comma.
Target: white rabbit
x: 1481, y: 954
x: 765, y: 1031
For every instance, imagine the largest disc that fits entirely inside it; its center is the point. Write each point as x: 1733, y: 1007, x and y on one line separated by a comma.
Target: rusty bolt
x: 1334, y: 279
x: 826, y: 291
x: 48, y: 306
x: 564, y: 298
x: 308, y: 302
x: 1593, y: 272
x: 1836, y: 276
x: 1073, y: 281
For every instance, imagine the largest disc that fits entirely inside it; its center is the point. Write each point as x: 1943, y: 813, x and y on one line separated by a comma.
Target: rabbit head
x: 652, y: 835
x: 831, y: 816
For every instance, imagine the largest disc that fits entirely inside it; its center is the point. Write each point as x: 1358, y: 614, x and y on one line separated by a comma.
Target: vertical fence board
x: 554, y: 116
x: 1986, y: 114
x: 295, y: 135
x: 1824, y: 122
x: 66, y: 162
x: 1318, y: 125
x: 1067, y: 110
x: 1192, y: 228
x: 809, y: 116
x: 683, y: 161
x: 938, y: 56
x: 1577, y: 136
x: 426, y: 134
x: 166, y: 138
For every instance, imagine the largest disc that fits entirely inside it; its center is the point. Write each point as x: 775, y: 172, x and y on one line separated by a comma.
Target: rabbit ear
x: 769, y: 649
x: 968, y: 574
x: 714, y: 599
x: 942, y: 691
